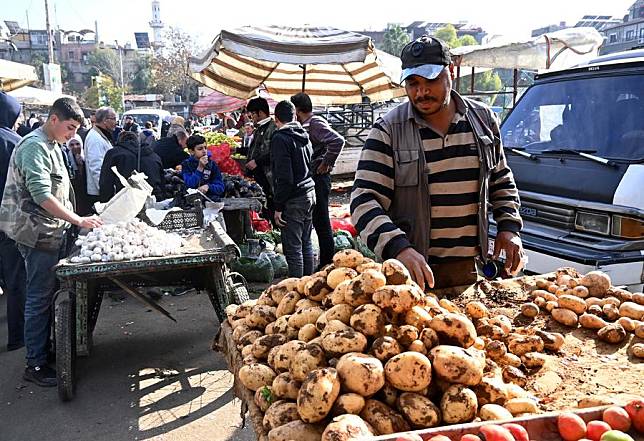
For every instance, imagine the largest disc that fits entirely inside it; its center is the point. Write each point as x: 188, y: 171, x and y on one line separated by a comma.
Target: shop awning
x: 36, y: 97
x: 15, y: 75
x: 332, y: 66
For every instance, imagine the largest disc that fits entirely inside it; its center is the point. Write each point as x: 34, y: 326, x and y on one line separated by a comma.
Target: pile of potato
x: 357, y: 349
x: 590, y: 301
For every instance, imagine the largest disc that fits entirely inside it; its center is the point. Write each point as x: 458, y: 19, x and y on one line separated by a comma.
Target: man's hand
x: 323, y: 169
x: 417, y: 266
x: 511, y: 243
x: 203, y: 188
x: 90, y: 222
x: 251, y: 165
x: 278, y: 219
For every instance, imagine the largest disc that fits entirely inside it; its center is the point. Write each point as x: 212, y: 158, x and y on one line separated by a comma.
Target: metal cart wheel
x: 239, y: 288
x: 65, y: 335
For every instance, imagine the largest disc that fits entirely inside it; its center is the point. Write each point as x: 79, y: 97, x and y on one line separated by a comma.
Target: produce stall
x: 359, y: 338
x: 131, y: 256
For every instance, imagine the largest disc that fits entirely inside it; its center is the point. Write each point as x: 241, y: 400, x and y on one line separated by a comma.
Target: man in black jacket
x: 171, y: 149
x: 12, y: 265
x: 128, y: 155
x: 294, y: 189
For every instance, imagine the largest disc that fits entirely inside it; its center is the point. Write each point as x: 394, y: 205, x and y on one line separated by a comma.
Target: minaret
x: 156, y: 24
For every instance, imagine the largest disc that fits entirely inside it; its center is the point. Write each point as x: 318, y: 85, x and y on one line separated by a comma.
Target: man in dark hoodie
x: 294, y: 189
x: 128, y: 155
x: 12, y: 266
x: 171, y: 148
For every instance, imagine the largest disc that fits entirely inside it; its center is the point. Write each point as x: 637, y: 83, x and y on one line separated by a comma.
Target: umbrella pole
x: 303, y: 77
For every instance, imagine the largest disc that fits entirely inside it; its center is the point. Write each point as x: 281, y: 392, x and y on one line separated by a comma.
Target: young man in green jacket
x: 37, y: 210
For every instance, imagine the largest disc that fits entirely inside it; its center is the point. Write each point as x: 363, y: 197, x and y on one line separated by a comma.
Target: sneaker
x: 41, y: 375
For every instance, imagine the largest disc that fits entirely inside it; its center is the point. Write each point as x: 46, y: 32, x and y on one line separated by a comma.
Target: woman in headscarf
x: 75, y: 158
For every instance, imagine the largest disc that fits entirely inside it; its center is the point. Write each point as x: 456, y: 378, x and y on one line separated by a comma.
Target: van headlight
x: 627, y: 227
x: 593, y: 222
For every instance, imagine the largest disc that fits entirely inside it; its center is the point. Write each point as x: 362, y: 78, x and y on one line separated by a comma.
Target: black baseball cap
x: 426, y: 56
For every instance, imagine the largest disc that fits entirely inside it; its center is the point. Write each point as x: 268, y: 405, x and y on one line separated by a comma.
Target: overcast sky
x: 119, y: 19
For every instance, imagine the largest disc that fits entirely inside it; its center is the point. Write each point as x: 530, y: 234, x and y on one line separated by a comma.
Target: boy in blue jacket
x: 199, y: 172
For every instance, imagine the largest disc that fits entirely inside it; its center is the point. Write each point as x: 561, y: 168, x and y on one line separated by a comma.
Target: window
x: 641, y: 33
x: 84, y: 57
x: 612, y: 38
x: 70, y: 55
x: 630, y: 35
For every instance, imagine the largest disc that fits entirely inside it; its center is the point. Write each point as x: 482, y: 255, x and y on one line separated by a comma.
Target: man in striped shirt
x: 427, y: 173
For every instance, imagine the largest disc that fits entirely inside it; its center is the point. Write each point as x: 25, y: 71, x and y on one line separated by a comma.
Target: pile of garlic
x: 126, y: 241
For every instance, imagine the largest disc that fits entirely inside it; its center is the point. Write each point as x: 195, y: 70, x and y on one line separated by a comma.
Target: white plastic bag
x: 128, y: 202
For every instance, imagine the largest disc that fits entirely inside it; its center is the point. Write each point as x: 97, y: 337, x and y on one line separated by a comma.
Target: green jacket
x: 36, y: 171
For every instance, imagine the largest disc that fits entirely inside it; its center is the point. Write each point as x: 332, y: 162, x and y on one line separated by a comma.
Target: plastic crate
x: 180, y: 220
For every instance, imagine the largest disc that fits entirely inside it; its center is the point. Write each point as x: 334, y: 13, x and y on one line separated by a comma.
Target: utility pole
x: 50, y: 45
x: 122, y: 85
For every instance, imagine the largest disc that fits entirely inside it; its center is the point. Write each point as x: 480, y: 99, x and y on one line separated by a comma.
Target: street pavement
x: 147, y: 378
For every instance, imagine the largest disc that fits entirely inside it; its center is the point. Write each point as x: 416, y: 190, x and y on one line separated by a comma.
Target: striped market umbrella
x: 217, y: 102
x: 330, y: 65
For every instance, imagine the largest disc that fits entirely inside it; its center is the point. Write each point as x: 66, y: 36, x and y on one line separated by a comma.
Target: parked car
x: 143, y: 115
x: 575, y: 143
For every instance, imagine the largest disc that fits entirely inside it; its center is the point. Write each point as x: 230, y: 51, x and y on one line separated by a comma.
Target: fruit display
x: 240, y: 187
x: 217, y: 138
x: 125, y: 241
x: 591, y: 302
x: 359, y: 348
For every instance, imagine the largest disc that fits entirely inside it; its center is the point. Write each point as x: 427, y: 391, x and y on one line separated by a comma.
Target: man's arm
x: 94, y: 155
x: 58, y: 210
x: 322, y: 132
x: 371, y: 196
x: 216, y: 184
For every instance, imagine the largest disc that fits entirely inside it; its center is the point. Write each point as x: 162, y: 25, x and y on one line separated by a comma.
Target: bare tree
x: 170, y: 64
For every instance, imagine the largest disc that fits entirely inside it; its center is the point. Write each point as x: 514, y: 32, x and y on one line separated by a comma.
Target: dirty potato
x: 254, y: 376
x: 458, y: 405
x: 383, y: 418
x: 347, y: 258
x: 419, y: 410
x: 284, y: 387
x: 454, y: 329
x: 457, y: 365
x: 395, y: 272
x: 409, y: 371
x: 306, y: 360
x: 361, y: 373
x: 385, y: 347
x: 369, y: 320
x: 346, y: 428
x: 317, y: 394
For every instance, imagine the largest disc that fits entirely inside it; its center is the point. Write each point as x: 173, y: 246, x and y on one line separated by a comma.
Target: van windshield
x: 142, y: 118
x: 603, y: 115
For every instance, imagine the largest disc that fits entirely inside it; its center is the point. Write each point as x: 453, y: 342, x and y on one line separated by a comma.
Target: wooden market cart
x: 78, y: 302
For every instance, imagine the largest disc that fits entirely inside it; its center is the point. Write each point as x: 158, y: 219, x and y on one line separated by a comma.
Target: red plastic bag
x: 259, y: 224
x: 343, y: 224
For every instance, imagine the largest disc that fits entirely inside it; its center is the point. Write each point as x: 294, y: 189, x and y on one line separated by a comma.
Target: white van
x: 143, y: 115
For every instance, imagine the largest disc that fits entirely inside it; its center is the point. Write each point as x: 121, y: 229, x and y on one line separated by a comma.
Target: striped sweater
x: 452, y: 169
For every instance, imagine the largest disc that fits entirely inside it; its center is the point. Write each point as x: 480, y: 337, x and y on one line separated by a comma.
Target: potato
x: 254, y: 376
x: 613, y: 333
x: 454, y: 329
x: 270, y: 358
x: 343, y: 342
x: 512, y: 374
x: 551, y: 340
x: 301, y: 284
x: 639, y: 330
x: 372, y: 280
x: 476, y: 310
x: 265, y: 343
x: 395, y: 272
x: 284, y: 387
x: 304, y: 316
x: 335, y: 326
x: 280, y: 413
x: 348, y: 403
x: 287, y: 304
x: 495, y: 349
x: 339, y: 275
x: 510, y: 360
x: 355, y: 293
x: 340, y: 312
x: 491, y: 390
x: 638, y: 350
x: 369, y: 320
x: 347, y: 427
x: 533, y: 360
x: 550, y: 305
x: 419, y: 410
x: 296, y: 430
x: 361, y: 373
x: 521, y: 405
x: 247, y: 351
x: 628, y: 324
x: 417, y: 346
x: 525, y: 343
x: 429, y: 337
x: 638, y: 298
x: 515, y: 391
x: 595, y: 310
x: 590, y: 321
x: 388, y: 394
x: 286, y: 353
x: 264, y: 398
x: 369, y: 264
x: 611, y: 300
x: 458, y: 405
x: 491, y: 331
x: 385, y: 347
x: 260, y: 316
x: 540, y: 302
x: 405, y: 334
x: 307, y: 332
x: 347, y: 258
x: 495, y: 412
x: 316, y: 288
x: 610, y: 311
x: 383, y: 418
x: 317, y: 394
x: 398, y: 298
x: 458, y: 365
x: 580, y: 291
x: 530, y: 310
x: 632, y: 310
x: 265, y: 299
x: 418, y: 316
x: 597, y: 283
x: 449, y: 306
x: 306, y: 360
x: 239, y: 332
x: 409, y: 371
x: 503, y: 322
x: 249, y: 337
x: 565, y: 316
x: 542, y: 283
